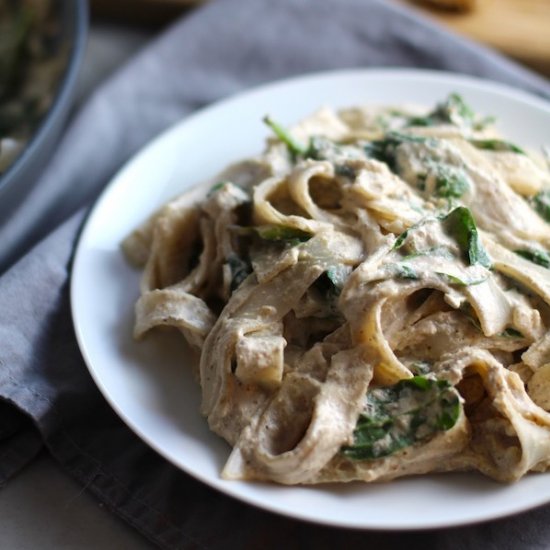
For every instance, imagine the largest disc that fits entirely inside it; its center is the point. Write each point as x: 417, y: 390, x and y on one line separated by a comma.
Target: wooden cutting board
x: 518, y: 28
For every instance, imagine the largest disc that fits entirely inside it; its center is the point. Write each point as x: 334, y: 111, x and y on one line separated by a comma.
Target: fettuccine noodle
x: 370, y: 298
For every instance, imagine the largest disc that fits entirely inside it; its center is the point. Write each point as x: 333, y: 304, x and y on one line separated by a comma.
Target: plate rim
x: 225, y: 487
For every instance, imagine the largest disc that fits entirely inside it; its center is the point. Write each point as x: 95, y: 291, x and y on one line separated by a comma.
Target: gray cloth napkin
x: 48, y: 396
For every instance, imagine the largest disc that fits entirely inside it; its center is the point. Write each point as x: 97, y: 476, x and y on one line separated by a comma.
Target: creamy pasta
x: 370, y: 298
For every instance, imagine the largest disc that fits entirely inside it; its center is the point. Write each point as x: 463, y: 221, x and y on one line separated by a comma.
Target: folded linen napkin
x: 48, y: 396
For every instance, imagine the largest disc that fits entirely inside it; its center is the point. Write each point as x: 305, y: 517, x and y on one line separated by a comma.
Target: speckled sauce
x: 370, y: 297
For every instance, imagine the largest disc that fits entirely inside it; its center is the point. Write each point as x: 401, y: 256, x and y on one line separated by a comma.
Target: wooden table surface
x: 518, y: 28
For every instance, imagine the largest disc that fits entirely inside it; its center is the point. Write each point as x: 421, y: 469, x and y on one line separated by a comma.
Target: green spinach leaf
x: 400, y: 241
x: 331, y: 281
x: 497, y: 145
x: 460, y: 224
x: 384, y: 149
x: 322, y: 148
x: 282, y: 233
x: 454, y: 110
x: 240, y: 270
x: 294, y: 147
x: 404, y: 271
x: 399, y: 416
x: 450, y: 182
x: 454, y: 280
x: 216, y: 187
x: 511, y: 333
x: 541, y: 202
x: 539, y: 257
x: 338, y: 275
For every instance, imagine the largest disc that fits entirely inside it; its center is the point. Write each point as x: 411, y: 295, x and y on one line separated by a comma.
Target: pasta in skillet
x: 370, y: 298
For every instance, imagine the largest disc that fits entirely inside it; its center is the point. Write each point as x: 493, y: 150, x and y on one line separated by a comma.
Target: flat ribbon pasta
x: 370, y: 297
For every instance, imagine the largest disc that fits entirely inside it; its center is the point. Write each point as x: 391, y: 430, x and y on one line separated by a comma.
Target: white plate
x: 148, y: 383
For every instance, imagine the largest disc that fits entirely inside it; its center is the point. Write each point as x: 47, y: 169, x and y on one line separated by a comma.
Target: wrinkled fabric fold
x: 48, y: 395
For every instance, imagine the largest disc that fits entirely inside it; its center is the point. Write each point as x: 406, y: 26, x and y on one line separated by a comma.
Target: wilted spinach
x: 497, y: 145
x: 539, y: 257
x: 450, y: 182
x: 399, y: 416
x: 454, y: 110
x: 294, y: 147
x: 282, y: 233
x: 460, y: 224
x: 541, y: 202
x: 240, y: 270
